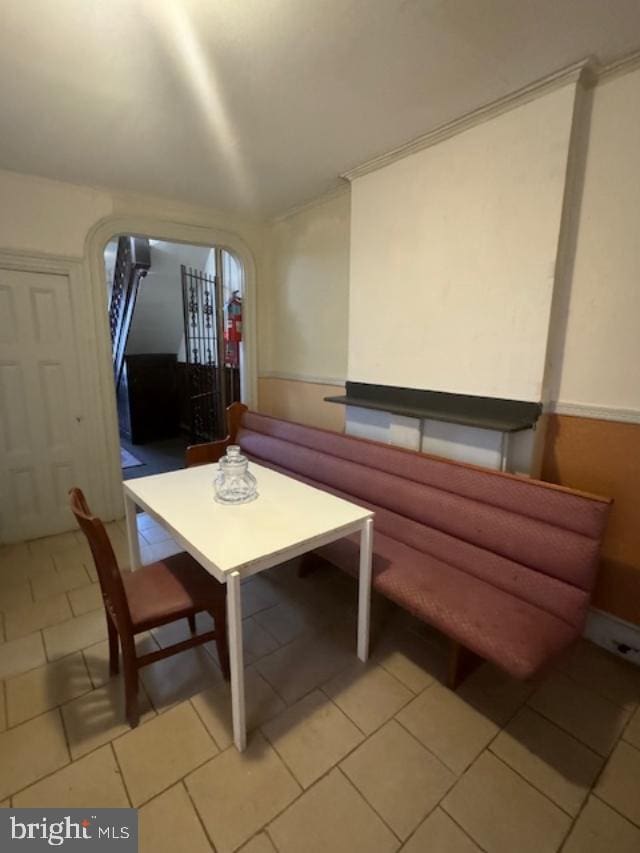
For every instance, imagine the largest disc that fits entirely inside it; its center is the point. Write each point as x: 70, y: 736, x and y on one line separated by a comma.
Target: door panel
x: 40, y: 417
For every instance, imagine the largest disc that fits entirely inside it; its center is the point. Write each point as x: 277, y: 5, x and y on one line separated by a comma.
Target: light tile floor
x: 341, y: 756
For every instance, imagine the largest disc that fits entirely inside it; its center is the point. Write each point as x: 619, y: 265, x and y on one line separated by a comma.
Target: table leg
x: 364, y: 589
x: 132, y: 533
x: 234, y: 618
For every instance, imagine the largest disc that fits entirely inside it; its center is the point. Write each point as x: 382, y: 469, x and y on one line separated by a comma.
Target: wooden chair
x: 212, y: 451
x: 153, y: 595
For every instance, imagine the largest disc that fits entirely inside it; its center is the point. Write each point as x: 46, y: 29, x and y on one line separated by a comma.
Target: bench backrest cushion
x: 537, y: 525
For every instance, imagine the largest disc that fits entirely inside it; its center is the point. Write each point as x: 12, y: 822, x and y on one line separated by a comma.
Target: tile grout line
x: 371, y: 806
x: 437, y: 759
x: 44, y: 627
x: 463, y: 830
x: 330, y: 699
x: 335, y: 766
x: 617, y: 811
x: 31, y: 668
x: 490, y: 744
x: 434, y: 755
x: 454, y: 821
x: 535, y: 787
x: 486, y: 748
x: 268, y: 834
x: 53, y: 772
x: 52, y: 707
x: 531, y: 709
x: 199, y: 716
x: 196, y: 812
x: 574, y: 821
x: 591, y: 689
x: 440, y: 803
x: 121, y: 774
x: 265, y: 628
x: 108, y: 742
x: 566, y: 731
x: 179, y: 779
x: 627, y: 725
x: 570, y: 735
x: 592, y: 790
x: 299, y: 796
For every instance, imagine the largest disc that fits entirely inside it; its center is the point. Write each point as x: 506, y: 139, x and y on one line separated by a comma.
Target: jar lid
x: 233, y: 458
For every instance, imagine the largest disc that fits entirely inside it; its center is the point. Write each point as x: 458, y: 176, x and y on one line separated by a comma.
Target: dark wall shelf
x: 483, y: 412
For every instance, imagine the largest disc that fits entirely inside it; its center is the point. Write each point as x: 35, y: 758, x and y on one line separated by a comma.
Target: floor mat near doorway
x: 128, y: 460
x: 155, y: 457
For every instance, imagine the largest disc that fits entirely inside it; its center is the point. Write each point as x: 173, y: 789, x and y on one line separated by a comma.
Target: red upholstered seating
x: 504, y: 565
x: 172, y: 589
x: 519, y: 636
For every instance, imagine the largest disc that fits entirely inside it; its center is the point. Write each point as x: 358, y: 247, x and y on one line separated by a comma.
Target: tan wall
x: 597, y: 364
x: 604, y: 457
x: 601, y: 351
x: 304, y: 293
x: 301, y: 401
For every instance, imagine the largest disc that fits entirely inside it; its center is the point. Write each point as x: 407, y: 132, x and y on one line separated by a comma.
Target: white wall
x: 453, y: 253
x: 158, y: 319
x: 601, y: 363
x: 52, y: 226
x: 305, y: 305
x: 48, y: 216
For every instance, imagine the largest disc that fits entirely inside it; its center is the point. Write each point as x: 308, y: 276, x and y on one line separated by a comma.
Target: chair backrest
x: 213, y: 451
x: 204, y: 454
x: 106, y: 564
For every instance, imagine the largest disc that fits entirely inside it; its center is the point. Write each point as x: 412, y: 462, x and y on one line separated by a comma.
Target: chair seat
x: 170, y: 589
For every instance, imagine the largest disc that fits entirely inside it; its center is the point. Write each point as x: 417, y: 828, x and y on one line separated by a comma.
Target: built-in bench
x: 502, y: 564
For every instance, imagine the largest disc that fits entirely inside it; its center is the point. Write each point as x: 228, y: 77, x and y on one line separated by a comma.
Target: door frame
x: 98, y: 347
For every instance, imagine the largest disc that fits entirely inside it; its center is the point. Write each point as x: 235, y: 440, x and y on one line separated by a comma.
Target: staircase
x: 133, y: 260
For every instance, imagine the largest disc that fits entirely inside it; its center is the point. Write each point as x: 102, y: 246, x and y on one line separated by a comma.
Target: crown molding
x: 342, y: 188
x: 625, y: 65
x: 571, y: 74
x: 588, y: 71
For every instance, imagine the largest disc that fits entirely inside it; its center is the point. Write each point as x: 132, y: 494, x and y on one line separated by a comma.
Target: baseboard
x: 617, y: 636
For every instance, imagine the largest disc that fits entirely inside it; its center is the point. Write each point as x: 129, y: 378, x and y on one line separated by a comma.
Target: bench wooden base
x: 462, y: 662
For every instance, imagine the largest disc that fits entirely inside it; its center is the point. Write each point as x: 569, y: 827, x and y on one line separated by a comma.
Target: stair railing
x: 133, y: 260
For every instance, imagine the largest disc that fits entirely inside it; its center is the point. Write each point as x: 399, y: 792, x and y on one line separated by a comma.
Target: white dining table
x: 232, y: 542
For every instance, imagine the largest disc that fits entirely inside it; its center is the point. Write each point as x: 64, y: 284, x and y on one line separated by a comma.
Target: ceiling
x: 259, y: 105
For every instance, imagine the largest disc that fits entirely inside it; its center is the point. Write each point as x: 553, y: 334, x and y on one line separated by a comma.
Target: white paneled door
x: 41, y: 453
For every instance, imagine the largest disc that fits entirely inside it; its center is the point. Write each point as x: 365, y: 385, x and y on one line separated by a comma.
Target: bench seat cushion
x: 518, y: 637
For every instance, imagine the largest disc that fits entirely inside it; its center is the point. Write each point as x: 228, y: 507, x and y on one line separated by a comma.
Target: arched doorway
x: 106, y: 473
x: 175, y: 317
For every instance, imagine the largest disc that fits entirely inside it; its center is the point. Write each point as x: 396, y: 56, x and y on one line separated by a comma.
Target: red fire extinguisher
x: 233, y: 330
